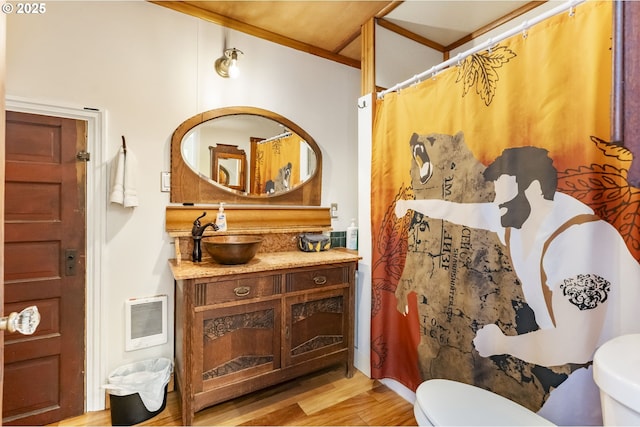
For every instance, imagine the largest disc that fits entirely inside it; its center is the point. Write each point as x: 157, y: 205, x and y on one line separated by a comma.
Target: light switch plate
x: 165, y: 182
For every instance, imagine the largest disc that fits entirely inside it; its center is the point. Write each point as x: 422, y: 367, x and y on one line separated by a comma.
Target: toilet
x: 616, y: 371
x: 441, y: 402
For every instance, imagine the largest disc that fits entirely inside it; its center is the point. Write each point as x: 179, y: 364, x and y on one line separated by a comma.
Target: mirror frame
x: 188, y: 187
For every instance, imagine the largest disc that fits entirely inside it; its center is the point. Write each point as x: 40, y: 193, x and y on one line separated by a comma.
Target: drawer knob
x: 242, y: 291
x: 320, y: 280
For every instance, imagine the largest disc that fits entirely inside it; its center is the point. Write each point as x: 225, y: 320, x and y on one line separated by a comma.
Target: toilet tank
x: 616, y: 371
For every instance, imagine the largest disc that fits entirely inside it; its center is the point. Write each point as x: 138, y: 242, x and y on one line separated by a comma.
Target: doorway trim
x: 95, y: 236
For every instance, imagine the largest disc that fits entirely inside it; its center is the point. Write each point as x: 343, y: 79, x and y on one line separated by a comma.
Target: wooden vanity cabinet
x: 239, y: 333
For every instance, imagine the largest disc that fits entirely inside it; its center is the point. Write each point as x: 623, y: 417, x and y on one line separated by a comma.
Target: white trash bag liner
x: 148, y: 378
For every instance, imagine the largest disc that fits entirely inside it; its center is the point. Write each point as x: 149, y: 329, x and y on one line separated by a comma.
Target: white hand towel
x: 130, y: 191
x: 117, y: 178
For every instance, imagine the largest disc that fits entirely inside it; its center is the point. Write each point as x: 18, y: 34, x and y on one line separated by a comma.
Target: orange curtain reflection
x: 277, y: 165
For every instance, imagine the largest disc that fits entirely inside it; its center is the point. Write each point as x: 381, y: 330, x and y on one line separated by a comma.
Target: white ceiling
x: 446, y: 22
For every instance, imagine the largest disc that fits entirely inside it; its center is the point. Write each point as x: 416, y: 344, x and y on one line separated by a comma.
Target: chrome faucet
x: 196, y: 232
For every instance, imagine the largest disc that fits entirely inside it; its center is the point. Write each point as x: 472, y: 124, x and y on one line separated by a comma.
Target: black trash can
x: 138, y: 391
x: 129, y: 410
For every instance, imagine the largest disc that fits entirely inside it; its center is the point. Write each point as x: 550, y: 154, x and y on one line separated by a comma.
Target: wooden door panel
x: 36, y: 290
x: 44, y: 217
x: 32, y: 260
x: 33, y: 201
x: 31, y: 399
x: 46, y: 346
x: 33, y: 139
x: 44, y: 230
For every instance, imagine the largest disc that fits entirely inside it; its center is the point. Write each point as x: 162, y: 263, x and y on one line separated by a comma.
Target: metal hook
x: 525, y: 29
x: 490, y: 44
x: 459, y: 59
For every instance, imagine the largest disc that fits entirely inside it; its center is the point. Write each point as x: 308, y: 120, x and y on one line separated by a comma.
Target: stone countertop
x: 261, y: 262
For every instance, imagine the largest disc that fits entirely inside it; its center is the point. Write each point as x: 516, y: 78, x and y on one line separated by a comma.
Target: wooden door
x: 44, y: 255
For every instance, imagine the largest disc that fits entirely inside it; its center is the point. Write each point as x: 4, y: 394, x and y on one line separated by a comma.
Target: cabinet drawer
x: 236, y: 290
x: 317, y: 278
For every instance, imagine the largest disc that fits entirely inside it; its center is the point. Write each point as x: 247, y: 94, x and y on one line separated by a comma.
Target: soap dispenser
x: 352, y: 235
x: 221, y: 218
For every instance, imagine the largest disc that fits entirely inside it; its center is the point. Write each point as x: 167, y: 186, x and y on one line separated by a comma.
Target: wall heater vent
x: 145, y: 322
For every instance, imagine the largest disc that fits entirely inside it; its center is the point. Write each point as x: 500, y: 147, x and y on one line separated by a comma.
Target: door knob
x: 24, y: 322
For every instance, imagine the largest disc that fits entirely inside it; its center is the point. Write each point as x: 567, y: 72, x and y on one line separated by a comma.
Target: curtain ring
x: 572, y: 11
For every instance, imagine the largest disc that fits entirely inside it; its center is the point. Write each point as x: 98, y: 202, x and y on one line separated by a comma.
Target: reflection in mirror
x: 228, y: 166
x: 244, y: 155
x: 279, y: 159
x: 281, y: 163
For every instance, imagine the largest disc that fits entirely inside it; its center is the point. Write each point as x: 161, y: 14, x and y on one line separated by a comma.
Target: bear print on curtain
x: 505, y: 238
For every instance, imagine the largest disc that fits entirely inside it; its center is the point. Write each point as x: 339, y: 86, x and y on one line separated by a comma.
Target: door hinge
x: 83, y: 155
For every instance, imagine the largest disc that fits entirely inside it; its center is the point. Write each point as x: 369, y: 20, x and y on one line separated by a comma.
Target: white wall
x: 399, y: 58
x: 150, y: 68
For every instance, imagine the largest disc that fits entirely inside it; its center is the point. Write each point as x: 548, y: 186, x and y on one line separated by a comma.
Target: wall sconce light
x: 227, y: 64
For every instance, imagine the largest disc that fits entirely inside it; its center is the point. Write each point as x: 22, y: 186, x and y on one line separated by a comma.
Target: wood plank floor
x: 325, y: 398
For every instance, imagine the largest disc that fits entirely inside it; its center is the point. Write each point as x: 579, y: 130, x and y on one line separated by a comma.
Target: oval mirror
x: 244, y: 155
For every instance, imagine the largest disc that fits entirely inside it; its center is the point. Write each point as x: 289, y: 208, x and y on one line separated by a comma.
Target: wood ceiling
x: 331, y: 29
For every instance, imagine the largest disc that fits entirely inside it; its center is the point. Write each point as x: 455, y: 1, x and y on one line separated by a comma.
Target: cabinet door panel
x: 235, y: 343
x: 316, y: 324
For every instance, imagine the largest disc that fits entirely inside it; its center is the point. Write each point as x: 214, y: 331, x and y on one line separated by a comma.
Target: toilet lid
x: 616, y: 369
x: 452, y: 403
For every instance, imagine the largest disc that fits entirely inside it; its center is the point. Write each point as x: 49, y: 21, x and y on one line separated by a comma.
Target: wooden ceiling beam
x: 410, y: 35
x: 233, y: 24
x: 388, y: 8
x: 368, y: 58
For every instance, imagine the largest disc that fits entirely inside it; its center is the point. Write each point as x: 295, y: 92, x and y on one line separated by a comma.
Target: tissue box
x: 313, y: 242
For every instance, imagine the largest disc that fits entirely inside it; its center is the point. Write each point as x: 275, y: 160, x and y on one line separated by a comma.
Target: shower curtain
x: 506, y: 283
x: 277, y: 165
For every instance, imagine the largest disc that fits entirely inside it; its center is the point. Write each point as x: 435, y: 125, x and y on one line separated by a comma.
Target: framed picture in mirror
x: 228, y: 166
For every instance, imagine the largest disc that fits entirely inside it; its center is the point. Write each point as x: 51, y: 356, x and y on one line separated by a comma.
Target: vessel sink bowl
x: 232, y: 249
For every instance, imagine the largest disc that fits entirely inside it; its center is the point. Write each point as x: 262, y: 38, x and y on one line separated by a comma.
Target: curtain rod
x: 486, y: 45
x: 273, y: 138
